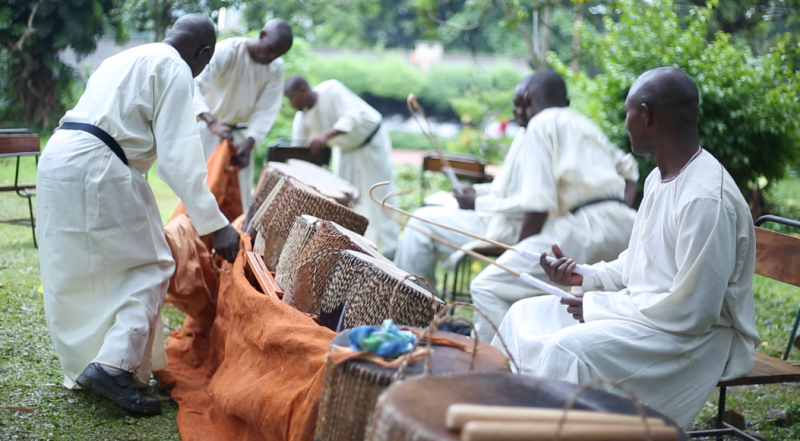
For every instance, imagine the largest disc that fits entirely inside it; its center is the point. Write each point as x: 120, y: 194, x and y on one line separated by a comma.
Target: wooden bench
x: 19, y: 143
x: 778, y: 258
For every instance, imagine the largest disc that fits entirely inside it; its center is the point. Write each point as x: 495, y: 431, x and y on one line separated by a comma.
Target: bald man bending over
x: 674, y: 314
x: 105, y: 263
x: 239, y: 95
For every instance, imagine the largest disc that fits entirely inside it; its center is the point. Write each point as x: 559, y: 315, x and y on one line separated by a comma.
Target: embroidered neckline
x: 699, y: 150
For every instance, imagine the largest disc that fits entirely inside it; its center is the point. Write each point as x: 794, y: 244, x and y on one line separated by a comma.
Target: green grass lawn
x: 30, y: 373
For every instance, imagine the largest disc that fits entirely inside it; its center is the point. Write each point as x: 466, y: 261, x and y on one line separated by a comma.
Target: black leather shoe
x: 121, y: 388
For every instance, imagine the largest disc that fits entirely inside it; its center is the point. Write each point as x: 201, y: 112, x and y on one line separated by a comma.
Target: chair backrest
x: 466, y: 166
x: 778, y: 256
x: 15, y: 141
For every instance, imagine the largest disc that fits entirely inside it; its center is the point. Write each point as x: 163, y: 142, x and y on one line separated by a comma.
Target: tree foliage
x: 158, y: 15
x: 748, y: 104
x: 32, y: 33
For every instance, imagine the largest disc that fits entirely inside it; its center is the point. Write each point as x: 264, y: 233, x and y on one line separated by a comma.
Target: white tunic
x: 676, y: 313
x: 360, y: 164
x: 234, y: 89
x: 105, y: 263
x: 564, y: 161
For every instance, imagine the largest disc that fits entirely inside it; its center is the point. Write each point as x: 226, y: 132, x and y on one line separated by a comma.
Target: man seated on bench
x: 675, y: 312
x: 589, y: 169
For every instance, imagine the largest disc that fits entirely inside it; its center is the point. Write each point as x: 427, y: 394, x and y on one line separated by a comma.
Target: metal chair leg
x: 721, y: 408
x: 791, y: 336
x: 33, y: 221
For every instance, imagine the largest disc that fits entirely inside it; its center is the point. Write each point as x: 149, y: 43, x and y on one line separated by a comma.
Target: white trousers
x: 418, y: 253
x: 595, y: 233
x: 211, y: 141
x: 671, y: 373
x: 105, y: 263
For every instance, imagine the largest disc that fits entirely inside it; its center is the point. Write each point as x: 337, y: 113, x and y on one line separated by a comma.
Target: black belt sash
x: 99, y: 134
x: 371, y: 135
x: 597, y: 201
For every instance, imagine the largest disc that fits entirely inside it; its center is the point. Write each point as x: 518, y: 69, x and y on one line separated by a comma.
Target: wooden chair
x: 466, y: 167
x: 18, y: 143
x: 469, y: 168
x: 282, y: 150
x: 778, y: 258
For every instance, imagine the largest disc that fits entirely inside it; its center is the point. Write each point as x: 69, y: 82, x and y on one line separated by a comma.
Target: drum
x: 288, y: 199
x: 310, y: 270
x: 359, y: 291
x: 302, y: 230
x: 319, y: 178
x: 415, y: 409
x: 351, y: 389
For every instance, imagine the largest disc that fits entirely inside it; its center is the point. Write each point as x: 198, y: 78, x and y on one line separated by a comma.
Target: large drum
x: 320, y: 178
x: 416, y: 409
x: 291, y: 198
x: 363, y: 290
x: 351, y: 389
x: 312, y: 266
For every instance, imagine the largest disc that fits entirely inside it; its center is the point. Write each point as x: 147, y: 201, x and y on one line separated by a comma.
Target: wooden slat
x: 264, y: 278
x: 20, y: 186
x: 778, y: 256
x: 767, y: 370
x: 19, y: 144
x: 433, y: 163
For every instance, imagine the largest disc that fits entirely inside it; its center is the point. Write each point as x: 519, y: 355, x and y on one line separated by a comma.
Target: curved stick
x: 419, y: 115
x: 525, y: 277
x: 584, y: 270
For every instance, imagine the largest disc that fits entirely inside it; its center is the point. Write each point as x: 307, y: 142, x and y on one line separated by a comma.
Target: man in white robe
x: 575, y: 190
x: 239, y: 95
x: 330, y: 114
x: 674, y: 314
x: 105, y: 263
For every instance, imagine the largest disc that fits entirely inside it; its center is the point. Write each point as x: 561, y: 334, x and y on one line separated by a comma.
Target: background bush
x: 748, y: 104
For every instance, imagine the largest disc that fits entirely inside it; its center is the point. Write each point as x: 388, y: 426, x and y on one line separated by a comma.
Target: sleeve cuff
x: 345, y: 124
x: 210, y: 224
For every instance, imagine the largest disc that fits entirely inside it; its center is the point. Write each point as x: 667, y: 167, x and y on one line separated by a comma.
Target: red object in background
x: 503, y: 124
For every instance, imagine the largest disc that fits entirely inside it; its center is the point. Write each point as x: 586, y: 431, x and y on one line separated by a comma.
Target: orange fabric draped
x: 223, y: 182
x: 243, y: 366
x: 255, y: 374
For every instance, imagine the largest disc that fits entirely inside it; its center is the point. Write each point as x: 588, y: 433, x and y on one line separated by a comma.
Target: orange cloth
x: 250, y: 367
x: 222, y: 181
x: 193, y: 287
x: 255, y: 374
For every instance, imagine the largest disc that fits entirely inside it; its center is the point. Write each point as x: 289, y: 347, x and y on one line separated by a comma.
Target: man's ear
x: 204, y: 53
x: 263, y: 34
x: 647, y: 112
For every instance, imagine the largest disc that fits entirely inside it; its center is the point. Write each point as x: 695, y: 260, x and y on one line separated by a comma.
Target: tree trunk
x: 576, y: 36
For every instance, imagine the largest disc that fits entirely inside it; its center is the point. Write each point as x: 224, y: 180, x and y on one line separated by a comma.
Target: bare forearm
x: 532, y: 224
x: 207, y: 118
x: 630, y: 192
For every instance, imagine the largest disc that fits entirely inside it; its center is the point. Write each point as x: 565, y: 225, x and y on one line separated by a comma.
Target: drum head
x: 416, y: 408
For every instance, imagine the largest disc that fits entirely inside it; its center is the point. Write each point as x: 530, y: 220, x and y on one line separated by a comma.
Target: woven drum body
x: 302, y: 231
x: 351, y: 389
x: 416, y: 409
x: 269, y: 178
x: 319, y: 179
x: 289, y: 199
x: 362, y: 288
x: 312, y: 268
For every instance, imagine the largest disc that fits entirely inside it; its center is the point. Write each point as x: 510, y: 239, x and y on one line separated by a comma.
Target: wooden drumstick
x: 460, y: 414
x: 584, y: 270
x: 516, y: 431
